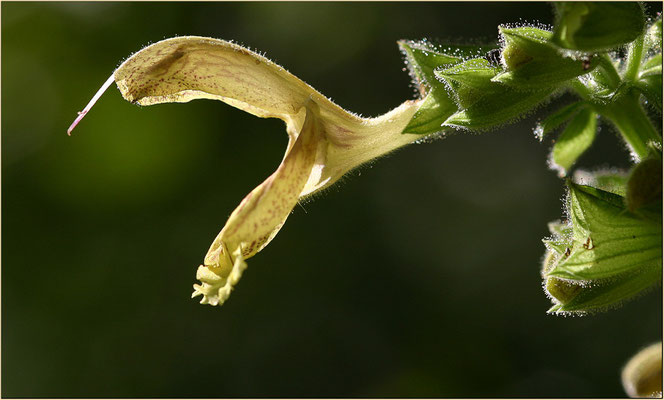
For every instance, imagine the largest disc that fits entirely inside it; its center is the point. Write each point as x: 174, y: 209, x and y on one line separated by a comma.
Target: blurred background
x: 417, y: 276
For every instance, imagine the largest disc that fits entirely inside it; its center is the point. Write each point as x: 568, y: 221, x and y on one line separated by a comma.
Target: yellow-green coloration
x: 642, y: 375
x: 325, y: 141
x: 559, y: 290
x: 514, y: 57
x: 563, y: 291
x: 522, y: 44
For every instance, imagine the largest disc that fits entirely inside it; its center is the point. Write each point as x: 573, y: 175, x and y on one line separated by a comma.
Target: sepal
x: 603, y: 256
x: 433, y: 112
x: 533, y: 62
x: 469, y: 81
x: 502, y: 106
x: 422, y: 60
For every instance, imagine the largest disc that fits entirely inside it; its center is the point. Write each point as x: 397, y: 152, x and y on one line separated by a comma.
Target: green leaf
x: 607, y: 239
x: 575, y: 139
x: 501, y: 106
x: 433, y: 112
x: 595, y: 26
x: 533, y: 63
x: 558, y: 118
x: 599, y: 296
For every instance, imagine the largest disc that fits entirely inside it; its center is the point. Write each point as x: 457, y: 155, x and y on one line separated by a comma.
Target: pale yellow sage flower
x: 325, y: 141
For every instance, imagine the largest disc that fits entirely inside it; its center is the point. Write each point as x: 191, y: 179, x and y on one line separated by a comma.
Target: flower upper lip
x: 325, y: 141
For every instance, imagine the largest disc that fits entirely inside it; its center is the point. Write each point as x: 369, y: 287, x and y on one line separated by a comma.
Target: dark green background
x: 416, y: 276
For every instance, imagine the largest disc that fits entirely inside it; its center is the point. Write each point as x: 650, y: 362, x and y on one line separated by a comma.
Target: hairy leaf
x: 575, y: 139
x: 557, y: 118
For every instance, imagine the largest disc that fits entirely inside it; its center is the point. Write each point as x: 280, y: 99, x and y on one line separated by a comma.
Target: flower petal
x: 190, y: 67
x: 325, y: 141
x: 349, y: 145
x: 260, y: 215
x: 185, y: 68
x: 215, y: 286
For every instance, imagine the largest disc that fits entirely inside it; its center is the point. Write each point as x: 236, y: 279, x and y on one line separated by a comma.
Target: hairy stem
x: 634, y: 57
x: 632, y: 122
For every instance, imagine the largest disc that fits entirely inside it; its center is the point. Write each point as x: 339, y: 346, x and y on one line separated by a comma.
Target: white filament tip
x: 92, y: 102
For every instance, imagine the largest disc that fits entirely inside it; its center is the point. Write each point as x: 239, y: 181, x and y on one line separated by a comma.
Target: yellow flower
x: 325, y: 141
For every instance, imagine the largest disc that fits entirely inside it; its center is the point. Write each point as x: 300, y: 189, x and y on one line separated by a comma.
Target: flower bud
x: 642, y: 375
x: 644, y: 186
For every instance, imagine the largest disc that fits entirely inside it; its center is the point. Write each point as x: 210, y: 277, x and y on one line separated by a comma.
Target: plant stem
x: 632, y: 122
x: 634, y: 57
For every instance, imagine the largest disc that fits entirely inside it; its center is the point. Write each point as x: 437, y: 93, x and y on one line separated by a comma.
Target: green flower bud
x: 644, y: 186
x: 561, y: 290
x: 604, y: 257
x: 532, y: 62
x: 514, y: 56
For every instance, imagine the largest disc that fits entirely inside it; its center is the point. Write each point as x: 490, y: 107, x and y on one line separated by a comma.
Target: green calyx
x: 532, y: 62
x: 604, y: 256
